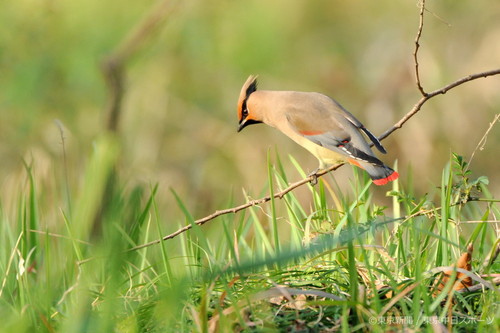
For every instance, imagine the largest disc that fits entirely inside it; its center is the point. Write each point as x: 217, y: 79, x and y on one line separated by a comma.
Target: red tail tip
x: 383, y: 181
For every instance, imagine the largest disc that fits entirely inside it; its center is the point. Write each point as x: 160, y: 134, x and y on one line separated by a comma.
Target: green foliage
x: 373, y: 271
x: 347, y: 257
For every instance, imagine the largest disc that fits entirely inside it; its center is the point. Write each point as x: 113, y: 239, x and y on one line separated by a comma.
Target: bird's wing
x: 336, y: 130
x: 320, y: 116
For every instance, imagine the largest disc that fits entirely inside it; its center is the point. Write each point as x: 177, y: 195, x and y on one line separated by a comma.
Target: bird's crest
x: 248, y: 88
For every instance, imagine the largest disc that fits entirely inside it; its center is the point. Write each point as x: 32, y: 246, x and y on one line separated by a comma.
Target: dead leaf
x: 462, y: 280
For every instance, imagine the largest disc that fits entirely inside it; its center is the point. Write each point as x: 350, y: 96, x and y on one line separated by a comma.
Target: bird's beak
x: 247, y: 121
x: 241, y: 125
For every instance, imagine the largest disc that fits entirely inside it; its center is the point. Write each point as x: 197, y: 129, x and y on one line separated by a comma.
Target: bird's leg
x: 314, y: 176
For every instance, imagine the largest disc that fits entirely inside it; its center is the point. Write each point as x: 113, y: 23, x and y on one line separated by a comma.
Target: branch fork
x: 416, y: 108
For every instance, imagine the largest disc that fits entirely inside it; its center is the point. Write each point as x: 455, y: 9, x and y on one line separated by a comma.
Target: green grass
x: 350, y: 264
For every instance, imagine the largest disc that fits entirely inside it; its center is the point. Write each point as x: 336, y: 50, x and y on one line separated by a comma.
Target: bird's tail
x: 380, y: 174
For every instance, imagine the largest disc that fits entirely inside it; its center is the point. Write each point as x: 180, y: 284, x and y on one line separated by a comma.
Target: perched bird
x: 316, y: 122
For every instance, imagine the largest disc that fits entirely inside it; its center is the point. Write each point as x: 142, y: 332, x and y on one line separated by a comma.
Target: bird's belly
x: 324, y: 155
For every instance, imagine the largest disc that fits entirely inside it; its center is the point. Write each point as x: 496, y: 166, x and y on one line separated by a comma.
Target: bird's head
x: 246, y: 115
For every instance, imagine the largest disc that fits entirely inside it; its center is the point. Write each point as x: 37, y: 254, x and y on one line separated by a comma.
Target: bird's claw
x: 314, y: 176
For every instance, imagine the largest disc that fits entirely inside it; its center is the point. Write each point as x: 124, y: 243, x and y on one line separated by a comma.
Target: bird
x: 316, y: 122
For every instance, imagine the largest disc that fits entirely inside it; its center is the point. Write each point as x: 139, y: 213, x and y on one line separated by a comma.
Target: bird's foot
x: 314, y: 175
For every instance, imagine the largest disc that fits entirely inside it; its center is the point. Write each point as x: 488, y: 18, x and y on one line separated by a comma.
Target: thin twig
x: 41, y: 232
x: 417, y: 46
x: 113, y: 68
x: 482, y: 142
x: 479, y: 221
x: 416, y: 108
x: 306, y: 180
x: 233, y: 210
x: 434, y: 93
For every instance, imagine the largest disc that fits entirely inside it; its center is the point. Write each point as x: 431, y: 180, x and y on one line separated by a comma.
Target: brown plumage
x: 316, y: 122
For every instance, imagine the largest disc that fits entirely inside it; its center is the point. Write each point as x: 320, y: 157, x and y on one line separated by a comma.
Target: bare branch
x: 306, y: 180
x: 416, y: 108
x: 113, y: 65
x: 434, y: 93
x: 417, y: 46
x: 233, y: 210
x: 113, y: 68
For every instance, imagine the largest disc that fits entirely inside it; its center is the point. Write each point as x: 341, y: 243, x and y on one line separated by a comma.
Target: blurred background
x: 178, y: 121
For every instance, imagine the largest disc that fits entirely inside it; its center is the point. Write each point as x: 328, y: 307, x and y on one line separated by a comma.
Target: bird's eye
x: 244, y: 113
